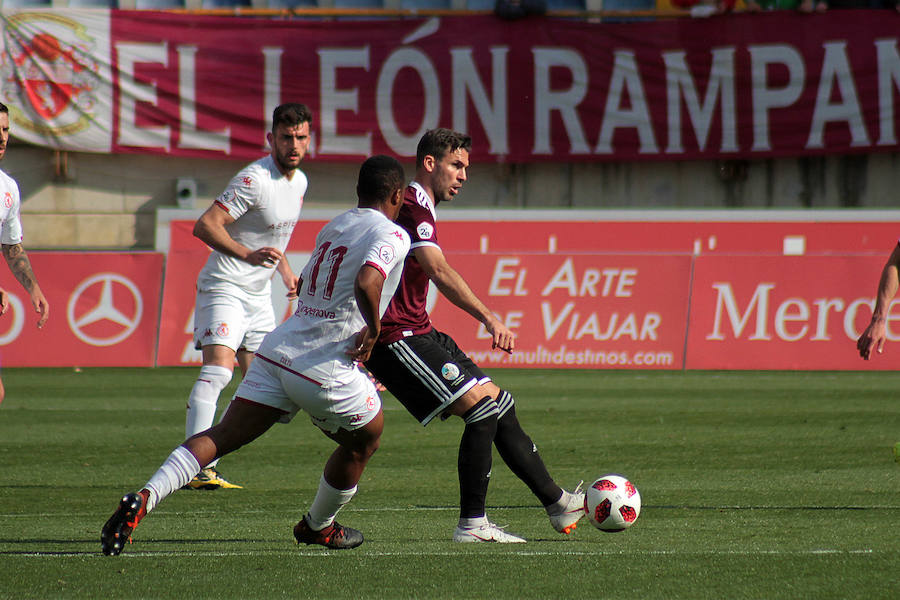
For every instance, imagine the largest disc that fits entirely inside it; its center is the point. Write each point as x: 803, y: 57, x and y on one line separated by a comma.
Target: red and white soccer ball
x: 612, y: 503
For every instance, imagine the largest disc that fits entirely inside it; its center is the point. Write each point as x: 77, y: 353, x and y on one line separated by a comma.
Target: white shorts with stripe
x: 349, y: 402
x: 234, y: 319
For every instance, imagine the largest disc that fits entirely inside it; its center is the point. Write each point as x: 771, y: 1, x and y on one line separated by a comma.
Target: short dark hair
x: 379, y: 177
x: 291, y: 114
x: 439, y: 142
x: 3, y: 108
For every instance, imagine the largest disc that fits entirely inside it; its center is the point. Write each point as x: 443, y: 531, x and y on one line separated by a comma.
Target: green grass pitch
x: 754, y: 484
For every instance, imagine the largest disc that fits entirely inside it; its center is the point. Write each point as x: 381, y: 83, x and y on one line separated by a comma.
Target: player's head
x: 380, y: 184
x: 4, y: 129
x: 442, y: 158
x: 289, y: 137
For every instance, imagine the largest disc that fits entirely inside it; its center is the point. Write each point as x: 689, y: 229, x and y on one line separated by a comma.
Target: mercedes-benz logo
x: 13, y: 320
x: 105, y: 309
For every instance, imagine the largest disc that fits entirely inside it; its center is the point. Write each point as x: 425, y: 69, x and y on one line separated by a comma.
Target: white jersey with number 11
x: 327, y: 318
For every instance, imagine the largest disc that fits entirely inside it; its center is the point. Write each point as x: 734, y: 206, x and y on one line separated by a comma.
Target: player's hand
x: 266, y: 256
x: 4, y: 301
x: 290, y: 282
x: 872, y: 339
x: 363, y: 342
x: 42, y: 307
x: 501, y: 337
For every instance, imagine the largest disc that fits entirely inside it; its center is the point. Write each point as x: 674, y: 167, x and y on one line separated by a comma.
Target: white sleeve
x: 388, y: 249
x: 12, y: 225
x: 241, y: 194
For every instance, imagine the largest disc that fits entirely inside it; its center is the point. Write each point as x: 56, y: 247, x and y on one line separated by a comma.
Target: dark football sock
x: 521, y: 455
x: 474, y: 462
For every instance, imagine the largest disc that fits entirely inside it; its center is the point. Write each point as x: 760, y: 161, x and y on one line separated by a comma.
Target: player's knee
x: 369, y: 446
x: 490, y: 388
x: 465, y: 403
x: 226, y: 438
x: 214, y: 376
x: 369, y: 449
x: 360, y: 453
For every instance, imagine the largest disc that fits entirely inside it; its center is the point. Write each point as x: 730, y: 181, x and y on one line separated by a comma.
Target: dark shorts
x: 426, y: 373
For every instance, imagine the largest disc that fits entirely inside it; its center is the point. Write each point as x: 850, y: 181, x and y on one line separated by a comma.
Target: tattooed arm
x: 21, y: 269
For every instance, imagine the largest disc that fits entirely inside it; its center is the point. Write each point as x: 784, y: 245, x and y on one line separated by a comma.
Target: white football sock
x: 560, y: 505
x: 329, y: 500
x: 201, y: 406
x: 177, y: 470
x: 472, y: 522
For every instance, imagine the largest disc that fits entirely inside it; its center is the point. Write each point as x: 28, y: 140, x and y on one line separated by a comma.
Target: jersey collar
x: 423, y: 198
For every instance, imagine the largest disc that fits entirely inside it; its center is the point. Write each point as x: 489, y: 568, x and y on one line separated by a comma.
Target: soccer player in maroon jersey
x: 432, y: 377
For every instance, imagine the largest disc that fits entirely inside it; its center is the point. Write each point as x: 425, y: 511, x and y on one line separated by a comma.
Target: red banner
x: 539, y: 89
x: 785, y: 312
x: 575, y: 310
x: 615, y: 294
x: 104, y: 311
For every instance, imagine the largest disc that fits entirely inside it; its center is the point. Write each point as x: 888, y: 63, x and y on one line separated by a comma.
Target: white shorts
x: 348, y: 404
x: 238, y: 321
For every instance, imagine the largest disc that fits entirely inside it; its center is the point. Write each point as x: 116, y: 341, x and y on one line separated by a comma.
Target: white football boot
x: 564, y: 519
x: 487, y: 532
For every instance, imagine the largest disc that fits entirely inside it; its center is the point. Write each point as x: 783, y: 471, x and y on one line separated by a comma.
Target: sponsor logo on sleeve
x: 425, y: 231
x: 386, y: 253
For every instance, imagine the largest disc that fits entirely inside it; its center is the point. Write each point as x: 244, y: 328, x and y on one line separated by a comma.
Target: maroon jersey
x: 406, y: 314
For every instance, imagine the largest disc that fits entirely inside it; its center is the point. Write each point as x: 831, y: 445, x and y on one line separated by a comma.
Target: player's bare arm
x: 4, y: 301
x: 20, y: 267
x: 210, y: 228
x: 288, y: 277
x: 367, y: 290
x: 875, y: 334
x: 452, y: 285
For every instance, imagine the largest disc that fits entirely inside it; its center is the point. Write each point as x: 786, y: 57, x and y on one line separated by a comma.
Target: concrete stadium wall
x: 99, y: 201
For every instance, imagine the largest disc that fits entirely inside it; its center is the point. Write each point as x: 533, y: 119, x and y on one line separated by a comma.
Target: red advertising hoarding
x: 104, y: 311
x: 630, y: 294
x: 575, y: 310
x: 784, y: 312
x: 662, y: 309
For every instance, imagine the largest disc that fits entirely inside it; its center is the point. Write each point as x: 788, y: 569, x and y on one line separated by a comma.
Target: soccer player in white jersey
x: 873, y: 338
x: 11, y: 238
x: 248, y: 227
x: 309, y: 362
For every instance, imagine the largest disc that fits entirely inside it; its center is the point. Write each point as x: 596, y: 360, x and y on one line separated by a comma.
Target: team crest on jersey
x: 386, y: 253
x: 248, y: 181
x: 222, y: 330
x: 370, y: 403
x: 425, y: 231
x: 47, y: 74
x: 7, y: 200
x: 449, y: 371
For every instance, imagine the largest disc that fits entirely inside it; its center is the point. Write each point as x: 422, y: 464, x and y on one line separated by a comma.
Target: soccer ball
x: 612, y: 503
